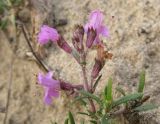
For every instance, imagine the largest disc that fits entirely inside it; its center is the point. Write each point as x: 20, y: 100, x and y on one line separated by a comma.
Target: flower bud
x: 64, y: 45
x: 77, y: 39
x: 91, y: 35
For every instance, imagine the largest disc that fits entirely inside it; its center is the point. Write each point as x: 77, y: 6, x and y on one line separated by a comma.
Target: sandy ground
x: 134, y: 41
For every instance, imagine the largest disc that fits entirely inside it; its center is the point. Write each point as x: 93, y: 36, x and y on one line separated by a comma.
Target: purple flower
x: 96, y: 22
x: 46, y: 34
x: 50, y: 85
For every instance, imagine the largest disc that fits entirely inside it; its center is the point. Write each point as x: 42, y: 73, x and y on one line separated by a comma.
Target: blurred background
x: 134, y: 40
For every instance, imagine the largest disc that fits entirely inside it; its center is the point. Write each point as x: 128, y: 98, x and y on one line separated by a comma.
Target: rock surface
x: 135, y: 44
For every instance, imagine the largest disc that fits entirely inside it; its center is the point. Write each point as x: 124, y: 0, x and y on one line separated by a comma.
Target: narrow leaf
x: 83, y: 113
x: 87, y: 94
x: 141, y: 82
x: 127, y: 98
x: 71, y: 119
x: 146, y: 107
x: 109, y: 90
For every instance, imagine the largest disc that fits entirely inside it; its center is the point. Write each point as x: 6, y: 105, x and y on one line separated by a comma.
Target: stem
x: 86, y: 85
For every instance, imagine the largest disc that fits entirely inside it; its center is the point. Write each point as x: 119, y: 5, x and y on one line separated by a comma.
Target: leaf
x: 66, y: 121
x: 127, y: 98
x: 71, y: 119
x: 141, y: 82
x: 83, y: 113
x: 96, y: 83
x: 87, y: 94
x: 119, y: 89
x: 109, y: 90
x: 145, y: 107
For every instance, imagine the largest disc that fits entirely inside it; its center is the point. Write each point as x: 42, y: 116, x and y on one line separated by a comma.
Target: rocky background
x: 134, y: 41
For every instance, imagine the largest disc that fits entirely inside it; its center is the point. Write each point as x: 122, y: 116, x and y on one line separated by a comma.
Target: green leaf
x: 96, y: 83
x: 108, y: 96
x: 71, y: 119
x: 145, y: 107
x: 83, y: 113
x: 66, y: 121
x: 87, y: 94
x: 119, y: 89
x: 125, y: 99
x: 141, y: 82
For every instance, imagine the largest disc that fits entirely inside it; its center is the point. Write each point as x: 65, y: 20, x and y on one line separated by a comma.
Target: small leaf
x: 119, y: 89
x: 109, y: 90
x: 87, y: 94
x: 141, y: 82
x: 83, y: 113
x: 96, y: 83
x: 71, y: 119
x: 145, y: 107
x: 66, y: 121
x: 127, y: 98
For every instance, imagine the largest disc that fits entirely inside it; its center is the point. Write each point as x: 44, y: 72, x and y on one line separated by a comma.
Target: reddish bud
x: 77, y: 39
x: 64, y: 45
x: 91, y: 35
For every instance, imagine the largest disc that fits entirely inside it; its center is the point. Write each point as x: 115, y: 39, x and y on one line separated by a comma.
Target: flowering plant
x: 103, y: 109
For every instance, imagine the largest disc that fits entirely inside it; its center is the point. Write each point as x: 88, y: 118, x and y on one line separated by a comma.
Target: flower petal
x: 104, y: 31
x: 47, y: 33
x: 47, y: 97
x: 47, y: 81
x: 49, y: 94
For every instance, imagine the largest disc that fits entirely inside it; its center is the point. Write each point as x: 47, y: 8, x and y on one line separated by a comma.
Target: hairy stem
x: 86, y: 85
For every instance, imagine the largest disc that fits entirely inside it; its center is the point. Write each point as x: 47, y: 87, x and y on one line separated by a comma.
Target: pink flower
x: 50, y: 85
x: 96, y: 22
x: 46, y: 34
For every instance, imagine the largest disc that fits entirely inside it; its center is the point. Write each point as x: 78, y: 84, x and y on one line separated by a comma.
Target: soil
x: 134, y: 41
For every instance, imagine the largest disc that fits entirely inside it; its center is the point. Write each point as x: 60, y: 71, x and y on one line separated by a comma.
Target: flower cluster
x: 93, y: 30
